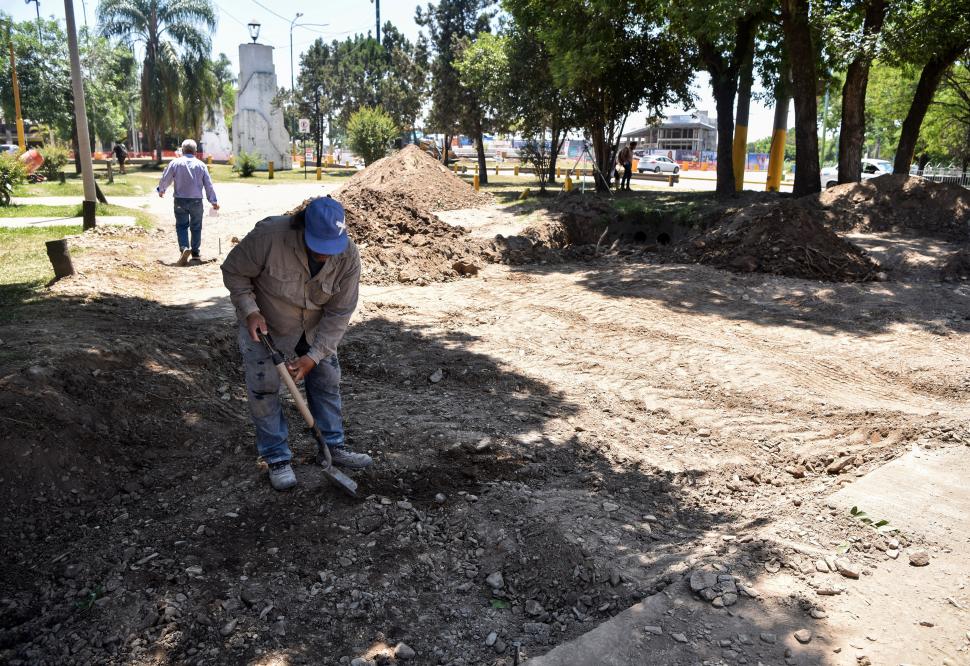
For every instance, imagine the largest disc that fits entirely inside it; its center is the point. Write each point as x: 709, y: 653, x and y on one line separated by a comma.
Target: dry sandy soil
x: 596, y: 433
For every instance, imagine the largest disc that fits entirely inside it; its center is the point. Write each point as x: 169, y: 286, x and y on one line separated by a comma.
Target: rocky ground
x: 554, y: 444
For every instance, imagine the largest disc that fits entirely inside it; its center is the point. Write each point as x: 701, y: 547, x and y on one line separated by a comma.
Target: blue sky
x: 333, y: 20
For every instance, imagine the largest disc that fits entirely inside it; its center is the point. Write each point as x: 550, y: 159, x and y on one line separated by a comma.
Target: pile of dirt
x: 782, y: 238
x: 400, y: 241
x: 900, y: 203
x: 420, y: 177
x: 956, y: 267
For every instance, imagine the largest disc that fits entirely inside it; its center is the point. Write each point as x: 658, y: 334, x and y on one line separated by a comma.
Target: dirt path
x: 591, y: 432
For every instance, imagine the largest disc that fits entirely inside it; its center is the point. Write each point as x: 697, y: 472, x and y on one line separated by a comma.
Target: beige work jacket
x: 268, y: 272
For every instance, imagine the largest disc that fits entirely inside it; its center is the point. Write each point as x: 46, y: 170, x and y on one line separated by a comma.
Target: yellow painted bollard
x: 208, y: 160
x: 319, y: 173
x: 568, y: 185
x: 558, y: 172
x: 476, y: 183
x: 496, y: 169
x: 525, y: 194
x: 516, y: 169
x: 455, y: 165
x: 231, y: 160
x: 271, y: 165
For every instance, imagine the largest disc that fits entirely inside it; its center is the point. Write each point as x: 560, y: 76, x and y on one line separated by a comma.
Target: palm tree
x: 168, y: 29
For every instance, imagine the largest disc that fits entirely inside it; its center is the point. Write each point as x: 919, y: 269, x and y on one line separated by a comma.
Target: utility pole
x: 377, y: 6
x: 21, y: 138
x: 84, y: 142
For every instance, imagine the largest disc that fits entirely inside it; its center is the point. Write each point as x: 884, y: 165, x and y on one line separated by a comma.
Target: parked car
x: 657, y: 164
x: 870, y: 169
x: 11, y: 148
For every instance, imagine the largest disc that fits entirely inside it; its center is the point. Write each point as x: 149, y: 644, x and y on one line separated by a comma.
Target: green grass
x: 26, y: 268
x: 142, y: 218
x: 223, y: 173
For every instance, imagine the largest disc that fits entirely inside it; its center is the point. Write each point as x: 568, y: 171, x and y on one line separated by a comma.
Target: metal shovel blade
x: 338, y: 478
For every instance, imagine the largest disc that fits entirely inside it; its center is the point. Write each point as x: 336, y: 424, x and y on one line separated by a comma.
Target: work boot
x: 346, y: 458
x: 281, y: 475
x: 184, y: 258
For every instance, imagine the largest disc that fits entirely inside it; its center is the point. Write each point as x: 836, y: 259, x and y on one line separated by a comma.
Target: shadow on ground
x: 145, y: 529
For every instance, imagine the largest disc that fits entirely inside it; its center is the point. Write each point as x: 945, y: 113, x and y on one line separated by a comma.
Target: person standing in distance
x: 295, y: 277
x: 191, y: 177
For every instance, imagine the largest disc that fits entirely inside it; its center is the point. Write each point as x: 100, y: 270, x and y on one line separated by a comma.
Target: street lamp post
x: 37, y: 4
x: 292, y: 78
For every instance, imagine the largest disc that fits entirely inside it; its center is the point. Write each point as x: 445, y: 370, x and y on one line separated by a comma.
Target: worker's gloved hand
x: 255, y: 321
x: 301, y: 367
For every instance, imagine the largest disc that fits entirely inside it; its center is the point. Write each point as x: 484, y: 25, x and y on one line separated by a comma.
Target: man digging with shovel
x: 295, y: 278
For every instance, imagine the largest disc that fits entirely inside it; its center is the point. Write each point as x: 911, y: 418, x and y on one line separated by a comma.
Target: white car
x: 870, y: 169
x: 10, y: 148
x: 657, y: 164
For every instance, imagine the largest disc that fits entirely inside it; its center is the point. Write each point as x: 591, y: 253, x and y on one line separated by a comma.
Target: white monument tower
x: 257, y: 126
x: 215, y: 134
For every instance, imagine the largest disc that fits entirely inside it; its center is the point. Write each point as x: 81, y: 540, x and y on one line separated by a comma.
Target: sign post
x: 304, y: 126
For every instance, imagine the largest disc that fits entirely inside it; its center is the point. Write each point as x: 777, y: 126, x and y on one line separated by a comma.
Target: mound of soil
x: 420, y: 177
x: 400, y: 241
x: 956, y: 267
x: 900, y: 203
x: 782, y: 238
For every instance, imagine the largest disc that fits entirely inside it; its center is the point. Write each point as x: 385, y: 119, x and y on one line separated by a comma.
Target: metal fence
x: 939, y: 173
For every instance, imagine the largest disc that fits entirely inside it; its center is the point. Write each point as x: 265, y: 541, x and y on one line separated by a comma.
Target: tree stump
x: 60, y: 256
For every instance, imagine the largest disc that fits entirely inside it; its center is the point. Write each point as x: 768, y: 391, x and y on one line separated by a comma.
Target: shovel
x: 334, y: 475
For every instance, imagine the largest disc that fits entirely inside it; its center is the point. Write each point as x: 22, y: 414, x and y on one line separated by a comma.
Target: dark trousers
x: 627, y: 173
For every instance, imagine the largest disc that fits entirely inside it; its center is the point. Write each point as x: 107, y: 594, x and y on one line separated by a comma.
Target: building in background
x: 683, y: 137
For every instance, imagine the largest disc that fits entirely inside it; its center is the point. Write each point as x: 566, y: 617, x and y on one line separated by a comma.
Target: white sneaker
x: 184, y: 259
x: 346, y: 458
x: 282, y: 476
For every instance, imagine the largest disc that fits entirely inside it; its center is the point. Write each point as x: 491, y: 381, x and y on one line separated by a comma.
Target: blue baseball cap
x: 326, y: 228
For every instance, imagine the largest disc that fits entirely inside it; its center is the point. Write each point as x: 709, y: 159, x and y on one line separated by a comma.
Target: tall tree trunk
x: 603, y: 154
x: 158, y: 146
x: 779, y: 134
x: 740, y: 151
x: 853, y: 131
x: 725, y: 87
x: 801, y: 53
x: 480, y: 145
x: 553, y: 151
x: 929, y: 81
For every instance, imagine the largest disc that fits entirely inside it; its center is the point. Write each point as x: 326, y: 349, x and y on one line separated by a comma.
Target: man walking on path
x: 121, y: 153
x: 190, y: 177
x: 295, y: 277
x: 625, y: 158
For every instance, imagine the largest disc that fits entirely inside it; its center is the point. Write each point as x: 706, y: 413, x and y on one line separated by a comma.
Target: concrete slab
x: 18, y: 222
x: 924, y: 492
x: 673, y: 628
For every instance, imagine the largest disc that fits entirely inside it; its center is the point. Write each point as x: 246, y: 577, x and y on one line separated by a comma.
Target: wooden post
x: 516, y: 169
x: 60, y: 256
x: 319, y: 173
x: 111, y: 173
x: 271, y: 165
x: 475, y: 183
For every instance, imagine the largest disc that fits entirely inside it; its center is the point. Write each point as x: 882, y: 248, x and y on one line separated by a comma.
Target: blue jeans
x: 188, y: 215
x: 263, y: 382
